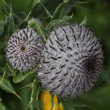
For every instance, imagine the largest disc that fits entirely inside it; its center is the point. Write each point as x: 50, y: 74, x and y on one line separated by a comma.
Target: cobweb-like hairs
x: 24, y: 49
x: 73, y: 60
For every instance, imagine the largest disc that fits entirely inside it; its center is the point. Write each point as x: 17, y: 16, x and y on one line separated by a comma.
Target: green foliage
x: 2, y: 107
x: 43, y: 16
x: 6, y: 86
x: 21, y: 5
x: 9, y: 24
x: 1, y: 28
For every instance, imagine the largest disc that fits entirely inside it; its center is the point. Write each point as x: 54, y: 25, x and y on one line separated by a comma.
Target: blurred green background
x: 97, y: 15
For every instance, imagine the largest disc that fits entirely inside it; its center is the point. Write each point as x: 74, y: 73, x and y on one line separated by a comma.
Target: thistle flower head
x: 72, y: 62
x: 24, y: 49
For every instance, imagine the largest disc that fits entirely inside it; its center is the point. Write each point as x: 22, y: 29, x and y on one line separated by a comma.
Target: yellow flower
x: 46, y: 99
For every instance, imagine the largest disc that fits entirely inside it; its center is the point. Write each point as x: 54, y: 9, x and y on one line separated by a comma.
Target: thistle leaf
x: 19, y: 77
x: 7, y: 86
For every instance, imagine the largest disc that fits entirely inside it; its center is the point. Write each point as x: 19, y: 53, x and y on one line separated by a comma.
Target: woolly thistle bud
x: 24, y: 49
x: 73, y: 60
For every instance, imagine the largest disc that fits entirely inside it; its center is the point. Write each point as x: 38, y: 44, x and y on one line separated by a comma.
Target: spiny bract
x: 24, y: 49
x: 73, y: 60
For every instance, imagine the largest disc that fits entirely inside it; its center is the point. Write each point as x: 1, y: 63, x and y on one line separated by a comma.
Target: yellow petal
x: 46, y: 100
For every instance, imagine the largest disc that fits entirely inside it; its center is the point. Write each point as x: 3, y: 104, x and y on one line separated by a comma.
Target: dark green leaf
x: 9, y: 24
x: 67, y: 7
x: 2, y: 107
x: 6, y: 85
x: 57, y: 11
x: 47, y: 12
x: 1, y: 28
x: 50, y: 5
x: 19, y: 77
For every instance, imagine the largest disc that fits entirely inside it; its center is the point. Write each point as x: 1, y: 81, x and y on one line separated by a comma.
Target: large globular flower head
x: 73, y: 60
x: 24, y: 49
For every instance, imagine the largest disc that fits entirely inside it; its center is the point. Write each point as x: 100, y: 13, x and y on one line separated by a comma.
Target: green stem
x: 33, y: 94
x: 33, y: 105
x: 52, y: 101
